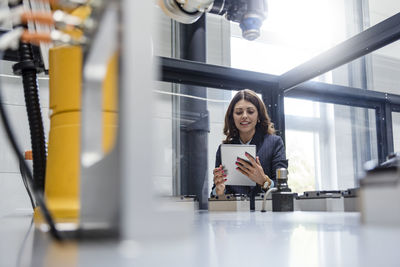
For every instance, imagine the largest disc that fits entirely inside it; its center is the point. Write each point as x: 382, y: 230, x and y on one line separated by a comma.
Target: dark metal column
x: 274, y: 101
x: 384, y: 130
x: 279, y: 113
x: 194, y: 118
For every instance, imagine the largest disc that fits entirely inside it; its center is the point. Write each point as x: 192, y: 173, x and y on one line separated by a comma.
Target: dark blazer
x: 270, y: 150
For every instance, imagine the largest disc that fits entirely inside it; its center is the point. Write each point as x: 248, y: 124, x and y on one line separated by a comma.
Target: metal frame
x: 375, y: 37
x: 384, y: 130
x: 225, y: 78
x: 293, y: 83
x: 202, y: 74
x: 395, y: 108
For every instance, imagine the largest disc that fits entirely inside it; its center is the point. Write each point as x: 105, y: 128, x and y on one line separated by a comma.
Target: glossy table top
x: 217, y: 239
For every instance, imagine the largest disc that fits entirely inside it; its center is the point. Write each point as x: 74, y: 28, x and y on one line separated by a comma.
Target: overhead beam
x: 343, y: 95
x: 201, y: 74
x: 375, y: 37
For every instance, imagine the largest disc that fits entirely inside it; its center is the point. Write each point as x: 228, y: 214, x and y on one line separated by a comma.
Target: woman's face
x: 245, y: 116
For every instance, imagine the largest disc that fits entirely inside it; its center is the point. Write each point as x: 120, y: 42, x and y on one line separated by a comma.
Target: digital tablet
x: 229, y: 154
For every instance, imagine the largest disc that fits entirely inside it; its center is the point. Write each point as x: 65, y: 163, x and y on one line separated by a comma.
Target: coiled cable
x: 31, y: 92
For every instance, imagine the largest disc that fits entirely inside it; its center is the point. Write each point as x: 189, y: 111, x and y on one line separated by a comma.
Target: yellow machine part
x: 62, y: 172
x: 110, y: 104
x: 82, y: 12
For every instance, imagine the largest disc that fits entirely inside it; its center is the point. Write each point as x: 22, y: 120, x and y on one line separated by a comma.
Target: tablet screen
x: 229, y: 154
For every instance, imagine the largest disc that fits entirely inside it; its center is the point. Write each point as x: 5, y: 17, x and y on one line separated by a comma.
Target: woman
x: 247, y: 122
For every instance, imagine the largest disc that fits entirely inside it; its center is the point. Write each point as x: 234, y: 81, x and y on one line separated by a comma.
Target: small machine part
x: 229, y: 197
x: 185, y: 11
x: 250, y: 14
x: 252, y: 20
x: 350, y: 199
x: 282, y: 201
x: 282, y: 177
x: 282, y: 198
x: 392, y: 160
x: 351, y: 192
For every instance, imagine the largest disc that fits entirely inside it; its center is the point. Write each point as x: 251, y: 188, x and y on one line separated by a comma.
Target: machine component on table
x: 321, y: 194
x: 329, y: 201
x: 351, y: 200
x: 283, y: 201
x: 230, y: 202
x: 238, y: 202
x: 380, y: 194
x: 282, y: 198
x: 250, y: 14
x: 392, y: 160
x: 320, y: 201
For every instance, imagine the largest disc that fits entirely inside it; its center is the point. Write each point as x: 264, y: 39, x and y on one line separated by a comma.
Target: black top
x: 271, y: 152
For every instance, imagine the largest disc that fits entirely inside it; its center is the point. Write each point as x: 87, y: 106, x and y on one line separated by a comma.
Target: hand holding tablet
x: 230, y: 154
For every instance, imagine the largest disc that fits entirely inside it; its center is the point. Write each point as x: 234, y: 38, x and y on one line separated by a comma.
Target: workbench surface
x: 218, y: 239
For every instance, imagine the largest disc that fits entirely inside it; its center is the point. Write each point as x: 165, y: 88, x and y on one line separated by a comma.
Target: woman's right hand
x: 219, y: 180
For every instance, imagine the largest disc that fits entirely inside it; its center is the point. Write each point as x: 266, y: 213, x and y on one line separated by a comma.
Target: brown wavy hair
x: 264, y: 123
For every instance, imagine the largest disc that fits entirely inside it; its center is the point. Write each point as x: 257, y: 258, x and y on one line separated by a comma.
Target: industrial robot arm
x: 250, y: 14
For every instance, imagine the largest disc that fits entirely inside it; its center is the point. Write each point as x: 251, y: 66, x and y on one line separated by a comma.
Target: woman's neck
x: 246, y: 137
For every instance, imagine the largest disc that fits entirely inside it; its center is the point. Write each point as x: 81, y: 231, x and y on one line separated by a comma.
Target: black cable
x: 38, y: 195
x: 28, y: 190
x: 21, y: 249
x: 26, y: 67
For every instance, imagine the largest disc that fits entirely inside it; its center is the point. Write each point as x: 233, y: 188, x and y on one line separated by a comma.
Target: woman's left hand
x: 254, y: 170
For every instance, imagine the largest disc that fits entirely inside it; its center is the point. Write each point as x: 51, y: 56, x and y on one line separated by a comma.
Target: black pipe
x: 28, y: 69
